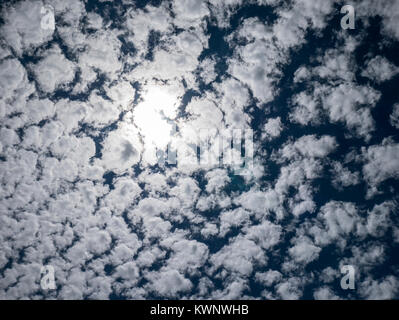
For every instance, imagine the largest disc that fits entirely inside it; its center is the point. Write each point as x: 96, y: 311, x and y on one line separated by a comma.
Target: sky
x: 187, y: 149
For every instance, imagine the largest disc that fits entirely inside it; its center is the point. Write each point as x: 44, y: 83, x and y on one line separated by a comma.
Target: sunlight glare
x: 154, y: 115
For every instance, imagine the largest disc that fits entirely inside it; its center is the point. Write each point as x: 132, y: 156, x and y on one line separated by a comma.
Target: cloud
x: 238, y: 257
x: 23, y: 30
x: 290, y: 289
x: 188, y: 256
x: 124, y: 194
x: 233, y: 218
x: 385, y: 289
x: 273, y: 128
x: 389, y: 11
x: 265, y: 235
x: 14, y: 85
x: 268, y: 278
x: 168, y: 283
x: 381, y: 163
x: 380, y: 69
x: 340, y: 219
x: 394, y: 117
x: 325, y: 293
x: 306, y: 109
x: 343, y: 177
x: 259, y: 202
x: 344, y: 104
x: 304, y: 251
x: 310, y: 146
x: 189, y: 12
x: 54, y: 70
x: 122, y: 149
x: 87, y: 111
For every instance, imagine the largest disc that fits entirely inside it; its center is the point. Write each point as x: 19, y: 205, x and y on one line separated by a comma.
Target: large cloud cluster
x: 100, y: 120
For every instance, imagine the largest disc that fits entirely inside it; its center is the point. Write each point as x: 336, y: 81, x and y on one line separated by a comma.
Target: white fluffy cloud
x: 310, y: 146
x: 54, y: 70
x: 122, y: 149
x: 23, y: 30
x: 273, y: 128
x: 394, y: 117
x: 304, y: 251
x: 381, y: 163
x: 380, y: 69
x: 87, y: 112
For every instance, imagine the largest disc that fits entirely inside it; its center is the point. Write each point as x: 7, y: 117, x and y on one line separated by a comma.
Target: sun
x: 155, y: 114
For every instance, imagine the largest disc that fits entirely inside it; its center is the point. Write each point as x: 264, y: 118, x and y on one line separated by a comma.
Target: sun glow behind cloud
x: 155, y: 114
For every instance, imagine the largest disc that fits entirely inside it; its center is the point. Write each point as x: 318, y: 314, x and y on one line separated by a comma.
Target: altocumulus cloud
x: 90, y: 111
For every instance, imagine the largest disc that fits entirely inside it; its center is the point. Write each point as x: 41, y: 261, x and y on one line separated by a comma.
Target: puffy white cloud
x: 233, y: 291
x: 291, y: 25
x: 388, y: 10
x: 394, y: 117
x: 54, y: 70
x: 306, y: 109
x: 233, y: 218
x: 121, y: 93
x: 217, y: 179
x: 310, y: 146
x: 188, y: 256
x: 14, y: 84
x: 290, y: 289
x: 23, y: 28
x: 142, y: 22
x: 100, y: 111
x: 70, y: 113
x: 234, y: 98
x: 186, y: 191
x: 268, y: 278
x: 248, y: 65
x: 154, y: 182
x: 169, y: 283
x: 302, y: 73
x: 340, y: 220
x: 83, y: 189
x: 381, y: 163
x: 97, y: 241
x: 37, y: 137
x: 189, y: 12
x: 239, y: 256
x: 38, y: 110
x: 385, y: 289
x: 79, y: 149
x: 259, y: 202
x: 304, y: 251
x: 125, y: 192
x: 341, y: 99
x: 344, y: 104
x: 122, y: 149
x: 101, y: 53
x: 273, y: 128
x: 343, y: 177
x: 176, y: 60
x: 266, y: 235
x: 325, y: 293
x: 336, y: 65
x: 378, y: 219
x: 380, y: 69
x: 8, y: 137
